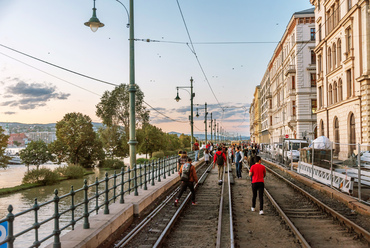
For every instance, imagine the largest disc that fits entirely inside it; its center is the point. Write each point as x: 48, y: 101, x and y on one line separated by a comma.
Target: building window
x: 270, y: 104
x: 313, y: 79
x: 322, y: 128
x: 335, y: 92
x: 312, y: 34
x: 313, y: 57
x: 339, y: 50
x: 349, y: 4
x: 270, y: 120
x: 352, y: 133
x: 318, y: 4
x: 349, y: 83
x: 329, y: 59
x: 334, y: 56
x: 320, y: 99
x: 340, y: 90
x: 293, y: 82
x: 320, y: 37
x: 330, y: 95
x: 293, y: 108
x: 314, y: 106
x: 349, y: 41
x: 336, y: 136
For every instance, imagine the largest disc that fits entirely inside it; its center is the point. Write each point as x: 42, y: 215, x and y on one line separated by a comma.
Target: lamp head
x: 177, y: 98
x: 94, y: 22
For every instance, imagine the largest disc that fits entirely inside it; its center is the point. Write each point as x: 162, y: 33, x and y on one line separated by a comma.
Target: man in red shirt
x: 196, y: 149
x: 258, y: 173
x: 220, y: 160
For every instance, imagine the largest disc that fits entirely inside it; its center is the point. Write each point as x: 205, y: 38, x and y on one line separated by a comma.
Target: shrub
x: 170, y: 153
x: 141, y: 160
x: 43, y: 175
x: 112, y: 164
x: 71, y: 171
x: 159, y: 154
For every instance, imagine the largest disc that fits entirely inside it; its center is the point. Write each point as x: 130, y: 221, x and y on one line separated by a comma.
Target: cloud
x: 9, y: 113
x: 31, y: 95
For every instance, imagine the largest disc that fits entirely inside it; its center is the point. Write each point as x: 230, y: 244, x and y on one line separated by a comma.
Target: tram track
x: 314, y: 223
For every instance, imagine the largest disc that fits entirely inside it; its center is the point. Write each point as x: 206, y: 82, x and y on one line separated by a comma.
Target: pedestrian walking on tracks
x: 182, y: 160
x: 220, y: 159
x: 238, y: 162
x: 258, y: 173
x: 206, y: 157
x: 188, y: 177
x: 196, y: 149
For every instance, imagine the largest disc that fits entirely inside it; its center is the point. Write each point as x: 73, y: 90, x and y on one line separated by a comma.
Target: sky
x: 233, y: 42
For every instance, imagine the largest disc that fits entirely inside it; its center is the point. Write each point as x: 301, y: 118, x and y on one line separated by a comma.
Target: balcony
x: 290, y: 69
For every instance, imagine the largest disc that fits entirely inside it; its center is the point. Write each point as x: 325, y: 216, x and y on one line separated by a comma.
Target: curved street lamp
x: 192, y: 95
x: 94, y: 24
x: 205, y: 119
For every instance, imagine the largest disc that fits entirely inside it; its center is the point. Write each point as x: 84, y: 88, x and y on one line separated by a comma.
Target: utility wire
x: 210, y: 43
x: 194, y: 52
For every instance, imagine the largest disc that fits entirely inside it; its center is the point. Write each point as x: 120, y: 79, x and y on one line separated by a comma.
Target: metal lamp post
x: 192, y: 95
x: 205, y: 119
x: 94, y: 24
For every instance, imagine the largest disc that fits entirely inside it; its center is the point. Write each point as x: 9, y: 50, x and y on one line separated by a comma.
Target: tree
x: 172, y: 142
x: 77, y: 143
x: 151, y: 139
x: 114, y: 141
x: 36, y: 153
x: 4, y: 160
x: 17, y: 143
x: 185, y: 140
x: 114, y: 108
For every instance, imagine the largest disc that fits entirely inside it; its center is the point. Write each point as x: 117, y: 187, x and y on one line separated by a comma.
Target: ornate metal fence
x: 98, y: 195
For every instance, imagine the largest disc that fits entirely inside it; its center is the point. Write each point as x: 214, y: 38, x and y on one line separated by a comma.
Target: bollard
x: 164, y: 168
x: 145, y: 182
x: 359, y: 170
x: 141, y: 175
x: 122, y: 200
x: 331, y: 164
x: 73, y: 208
x: 36, y: 225
x: 86, y: 206
x: 169, y: 166
x: 135, y: 181
x: 96, y: 195
x: 106, y: 201
x: 129, y: 181
x: 56, y: 232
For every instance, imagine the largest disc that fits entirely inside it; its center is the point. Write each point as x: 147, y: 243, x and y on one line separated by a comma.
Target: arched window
x: 336, y: 136
x: 330, y: 95
x: 335, y: 93
x: 352, y: 133
x: 339, y: 51
x: 340, y: 90
x: 329, y: 59
x: 334, y: 56
x: 322, y: 132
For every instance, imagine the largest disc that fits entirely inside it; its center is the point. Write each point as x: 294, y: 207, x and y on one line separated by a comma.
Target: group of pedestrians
x: 235, y: 154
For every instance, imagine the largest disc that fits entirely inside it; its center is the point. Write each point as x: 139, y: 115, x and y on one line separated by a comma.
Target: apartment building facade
x: 288, y: 88
x: 343, y: 68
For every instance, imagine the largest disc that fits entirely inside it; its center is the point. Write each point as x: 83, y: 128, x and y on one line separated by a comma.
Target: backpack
x: 185, y: 175
x: 220, y: 159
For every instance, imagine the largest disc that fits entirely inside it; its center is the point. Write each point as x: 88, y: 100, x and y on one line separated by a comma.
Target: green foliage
x: 43, y: 175
x: 36, y: 153
x: 114, y: 141
x: 159, y: 154
x: 141, y: 160
x: 114, y: 108
x: 150, y: 138
x: 185, y: 140
x: 71, y: 171
x: 77, y: 143
x: 170, y: 153
x: 112, y: 164
x: 3, y: 144
x: 172, y: 142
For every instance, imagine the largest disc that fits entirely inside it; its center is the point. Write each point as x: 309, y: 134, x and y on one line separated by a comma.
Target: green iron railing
x: 95, y: 196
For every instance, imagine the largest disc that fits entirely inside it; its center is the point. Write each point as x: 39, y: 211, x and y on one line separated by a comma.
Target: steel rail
x: 219, y: 227
x: 178, y: 212
x: 232, y: 242
x: 350, y: 224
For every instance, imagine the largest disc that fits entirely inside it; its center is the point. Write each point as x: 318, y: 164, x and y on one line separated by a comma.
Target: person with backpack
x: 238, y: 162
x: 220, y: 160
x: 258, y: 173
x: 182, y: 160
x: 206, y: 157
x: 188, y: 176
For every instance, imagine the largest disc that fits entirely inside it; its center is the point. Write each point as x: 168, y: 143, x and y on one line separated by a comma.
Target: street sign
x: 286, y: 136
x: 3, y: 234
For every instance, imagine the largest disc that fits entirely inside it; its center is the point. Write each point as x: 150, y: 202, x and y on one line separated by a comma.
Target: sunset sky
x: 32, y: 91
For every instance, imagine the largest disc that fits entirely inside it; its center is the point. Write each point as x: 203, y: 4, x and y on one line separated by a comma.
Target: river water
x: 25, y: 199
